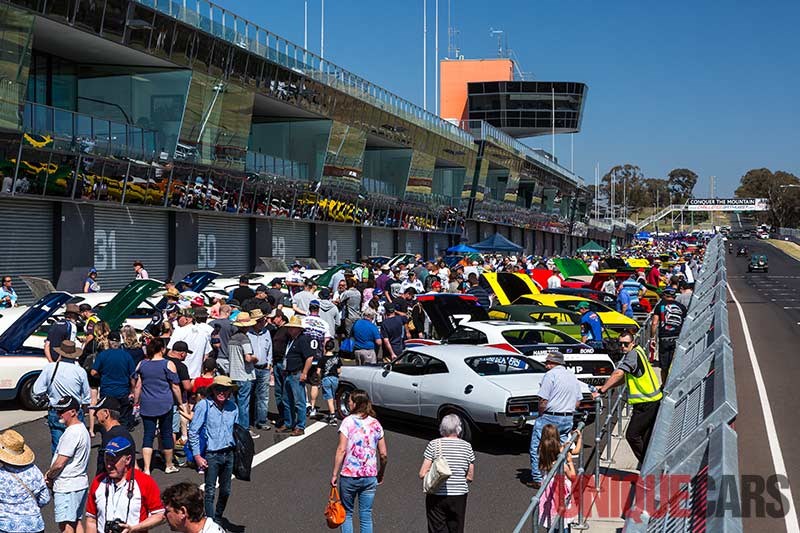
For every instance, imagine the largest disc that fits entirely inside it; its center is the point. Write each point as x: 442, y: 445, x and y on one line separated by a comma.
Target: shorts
x: 314, y: 377
x: 329, y: 386
x: 69, y: 506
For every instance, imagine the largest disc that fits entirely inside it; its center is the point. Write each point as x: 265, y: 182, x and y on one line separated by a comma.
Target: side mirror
x: 387, y: 367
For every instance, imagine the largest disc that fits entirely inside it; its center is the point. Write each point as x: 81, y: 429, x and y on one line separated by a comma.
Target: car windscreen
x: 499, y: 365
x: 466, y: 335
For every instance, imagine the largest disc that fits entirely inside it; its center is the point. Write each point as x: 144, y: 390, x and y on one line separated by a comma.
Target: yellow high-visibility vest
x: 647, y: 387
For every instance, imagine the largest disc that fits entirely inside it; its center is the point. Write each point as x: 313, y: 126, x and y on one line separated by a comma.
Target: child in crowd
x: 554, y: 497
x: 330, y: 365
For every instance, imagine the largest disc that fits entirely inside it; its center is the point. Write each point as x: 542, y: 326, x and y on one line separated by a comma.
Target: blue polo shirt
x: 365, y: 333
x: 624, y: 298
x: 592, y: 326
x: 115, y: 367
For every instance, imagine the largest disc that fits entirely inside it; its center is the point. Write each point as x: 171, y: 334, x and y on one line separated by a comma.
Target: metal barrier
x: 693, y: 444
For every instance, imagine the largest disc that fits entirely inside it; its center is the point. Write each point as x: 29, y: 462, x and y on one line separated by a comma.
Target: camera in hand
x: 115, y: 526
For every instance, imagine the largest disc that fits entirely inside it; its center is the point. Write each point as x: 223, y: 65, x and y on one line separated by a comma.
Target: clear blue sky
x: 711, y: 86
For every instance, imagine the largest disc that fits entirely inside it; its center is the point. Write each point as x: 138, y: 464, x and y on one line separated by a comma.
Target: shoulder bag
x: 334, y: 511
x: 438, y: 473
x: 44, y: 397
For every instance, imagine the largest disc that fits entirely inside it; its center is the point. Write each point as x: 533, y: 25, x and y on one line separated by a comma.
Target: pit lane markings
x: 790, y: 518
x: 283, y: 445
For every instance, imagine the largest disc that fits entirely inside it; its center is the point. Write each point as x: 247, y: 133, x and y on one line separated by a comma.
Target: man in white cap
x: 559, y: 396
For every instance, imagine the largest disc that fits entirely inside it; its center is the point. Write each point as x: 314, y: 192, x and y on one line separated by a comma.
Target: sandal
x: 171, y: 469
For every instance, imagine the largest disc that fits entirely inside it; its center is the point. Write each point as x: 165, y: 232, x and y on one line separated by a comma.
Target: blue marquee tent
x: 497, y: 243
x: 461, y: 249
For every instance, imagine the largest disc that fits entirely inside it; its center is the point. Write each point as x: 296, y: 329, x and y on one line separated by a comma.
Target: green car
x: 758, y: 262
x: 560, y: 319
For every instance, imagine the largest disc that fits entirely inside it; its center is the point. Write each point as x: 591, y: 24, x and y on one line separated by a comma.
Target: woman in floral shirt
x: 360, y: 459
x: 22, y: 489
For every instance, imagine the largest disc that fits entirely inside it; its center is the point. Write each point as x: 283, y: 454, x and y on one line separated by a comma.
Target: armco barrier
x: 693, y: 445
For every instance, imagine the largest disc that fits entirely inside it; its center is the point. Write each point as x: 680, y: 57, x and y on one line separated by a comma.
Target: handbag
x: 44, y: 398
x: 334, y: 511
x: 438, y: 473
x: 243, y: 452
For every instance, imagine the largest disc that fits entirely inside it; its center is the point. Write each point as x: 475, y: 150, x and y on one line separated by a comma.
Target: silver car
x: 490, y: 389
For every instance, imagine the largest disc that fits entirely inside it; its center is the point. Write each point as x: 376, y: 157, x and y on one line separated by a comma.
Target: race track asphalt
x: 771, y: 305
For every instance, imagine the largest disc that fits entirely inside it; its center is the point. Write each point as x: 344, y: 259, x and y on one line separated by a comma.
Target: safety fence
x: 693, y: 445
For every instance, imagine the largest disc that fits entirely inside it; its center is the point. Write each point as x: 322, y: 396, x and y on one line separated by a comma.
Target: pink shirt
x: 361, y: 456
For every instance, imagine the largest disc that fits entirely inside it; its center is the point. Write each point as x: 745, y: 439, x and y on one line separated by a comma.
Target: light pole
x: 322, y: 31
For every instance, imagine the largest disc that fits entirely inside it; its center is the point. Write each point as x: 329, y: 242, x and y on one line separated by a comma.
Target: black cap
x: 324, y: 293
x: 389, y: 308
x: 276, y: 281
x: 181, y: 346
x: 84, y: 307
x: 261, y: 288
x: 310, y: 283
x: 114, y: 336
x: 66, y: 403
x: 107, y: 402
x: 173, y: 308
x: 234, y: 303
x: 244, y: 279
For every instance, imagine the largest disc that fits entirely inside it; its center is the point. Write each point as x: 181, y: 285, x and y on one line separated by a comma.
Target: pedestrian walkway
x: 623, y: 464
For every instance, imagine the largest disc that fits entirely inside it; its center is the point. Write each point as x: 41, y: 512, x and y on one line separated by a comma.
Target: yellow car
x: 611, y: 318
x: 508, y: 287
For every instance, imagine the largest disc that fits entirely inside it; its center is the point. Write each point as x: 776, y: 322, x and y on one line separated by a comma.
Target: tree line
x: 632, y: 189
x: 781, y: 188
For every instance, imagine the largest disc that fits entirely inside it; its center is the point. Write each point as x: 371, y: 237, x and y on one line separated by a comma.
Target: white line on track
x: 283, y: 445
x: 772, y: 434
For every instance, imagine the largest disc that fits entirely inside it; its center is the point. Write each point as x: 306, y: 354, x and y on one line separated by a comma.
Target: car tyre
x: 340, y: 400
x: 26, y: 397
x: 468, y: 432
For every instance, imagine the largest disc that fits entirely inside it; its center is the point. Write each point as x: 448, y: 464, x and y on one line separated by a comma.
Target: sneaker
x: 312, y: 413
x: 201, y: 471
x: 263, y: 427
x: 171, y: 469
x: 332, y: 420
x: 254, y: 435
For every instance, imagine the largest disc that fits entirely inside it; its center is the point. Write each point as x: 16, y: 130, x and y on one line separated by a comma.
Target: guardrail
x: 693, y: 445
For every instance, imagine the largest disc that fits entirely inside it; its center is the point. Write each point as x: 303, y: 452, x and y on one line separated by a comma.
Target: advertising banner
x: 727, y: 204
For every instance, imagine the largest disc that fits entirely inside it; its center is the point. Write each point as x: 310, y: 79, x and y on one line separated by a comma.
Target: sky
x: 706, y: 85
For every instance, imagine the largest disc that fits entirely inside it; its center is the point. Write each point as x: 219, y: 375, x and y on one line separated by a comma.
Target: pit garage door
x: 529, y: 236
x: 472, y: 232
x: 341, y: 244
x: 27, y: 236
x: 516, y: 236
x: 439, y: 243
x: 122, y: 236
x: 382, y: 242
x: 291, y: 239
x: 413, y: 243
x: 223, y: 244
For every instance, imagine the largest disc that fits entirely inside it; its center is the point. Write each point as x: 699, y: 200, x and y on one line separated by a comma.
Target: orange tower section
x: 454, y: 74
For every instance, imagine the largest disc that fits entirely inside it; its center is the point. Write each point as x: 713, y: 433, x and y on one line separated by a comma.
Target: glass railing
x: 76, y: 132
x: 221, y: 23
x: 484, y: 131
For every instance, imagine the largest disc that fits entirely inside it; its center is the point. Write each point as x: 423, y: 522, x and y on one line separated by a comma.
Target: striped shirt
x: 459, y: 455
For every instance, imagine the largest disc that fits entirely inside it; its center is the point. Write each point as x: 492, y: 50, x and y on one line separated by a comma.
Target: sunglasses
x: 626, y: 343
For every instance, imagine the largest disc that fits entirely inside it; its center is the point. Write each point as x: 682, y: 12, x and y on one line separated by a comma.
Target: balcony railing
x: 76, y: 132
x: 221, y: 23
x: 484, y: 131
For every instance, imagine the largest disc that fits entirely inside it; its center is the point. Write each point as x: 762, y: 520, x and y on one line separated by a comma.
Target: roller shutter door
x: 291, y: 239
x: 472, y: 232
x: 516, y: 236
x: 487, y: 230
x: 439, y: 243
x: 341, y: 244
x: 223, y: 244
x: 123, y: 235
x: 529, y: 236
x: 382, y: 242
x: 413, y: 243
x: 27, y: 237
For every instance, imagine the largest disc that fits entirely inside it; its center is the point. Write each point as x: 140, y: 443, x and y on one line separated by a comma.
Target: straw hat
x: 256, y: 314
x: 225, y: 382
x: 294, y: 322
x: 13, y: 450
x: 243, y: 320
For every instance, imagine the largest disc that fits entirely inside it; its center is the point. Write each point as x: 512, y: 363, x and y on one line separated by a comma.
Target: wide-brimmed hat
x: 68, y: 349
x: 555, y: 357
x: 294, y: 322
x: 256, y: 314
x: 72, y: 309
x: 13, y: 450
x: 223, y: 382
x: 172, y: 291
x: 243, y: 320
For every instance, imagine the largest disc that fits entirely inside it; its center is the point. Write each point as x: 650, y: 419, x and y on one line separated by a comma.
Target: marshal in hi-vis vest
x: 645, y: 388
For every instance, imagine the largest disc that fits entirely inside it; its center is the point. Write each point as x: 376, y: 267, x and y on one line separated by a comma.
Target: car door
x: 397, y: 387
x: 437, y: 387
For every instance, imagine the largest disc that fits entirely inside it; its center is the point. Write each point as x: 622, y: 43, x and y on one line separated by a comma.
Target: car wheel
x: 468, y: 432
x: 27, y: 399
x: 342, y: 398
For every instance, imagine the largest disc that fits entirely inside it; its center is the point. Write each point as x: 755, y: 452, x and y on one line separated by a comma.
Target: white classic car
x: 490, y: 389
